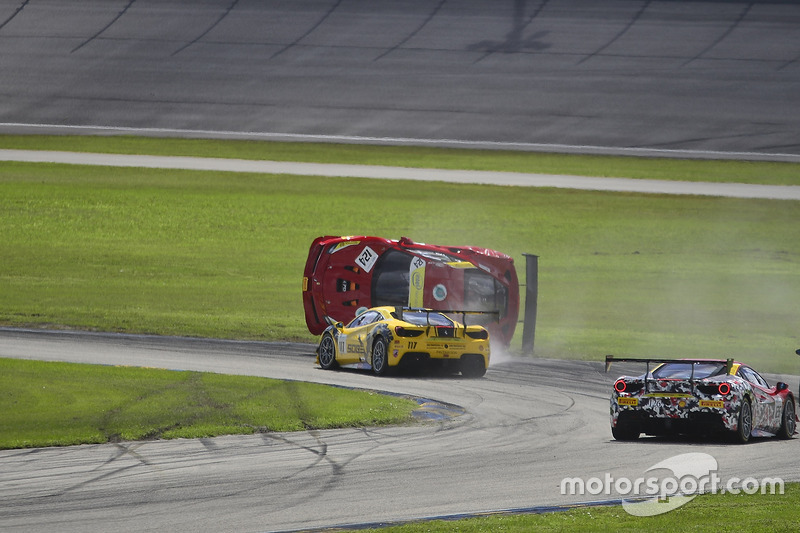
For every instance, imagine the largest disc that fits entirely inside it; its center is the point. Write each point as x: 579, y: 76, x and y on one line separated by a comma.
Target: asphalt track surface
x: 696, y: 78
x: 714, y: 76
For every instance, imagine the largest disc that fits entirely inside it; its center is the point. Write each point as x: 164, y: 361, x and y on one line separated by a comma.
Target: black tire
x: 473, y: 366
x: 327, y: 352
x: 380, y: 357
x: 745, y: 427
x: 788, y: 422
x: 625, y: 432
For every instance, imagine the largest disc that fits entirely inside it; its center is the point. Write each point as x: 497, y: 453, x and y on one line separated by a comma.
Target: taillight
x: 480, y: 335
x: 724, y: 388
x: 620, y: 385
x: 405, y: 332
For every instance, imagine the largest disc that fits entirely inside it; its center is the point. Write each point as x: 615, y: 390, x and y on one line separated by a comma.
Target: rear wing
x: 400, y: 310
x: 647, y: 360
x: 611, y: 359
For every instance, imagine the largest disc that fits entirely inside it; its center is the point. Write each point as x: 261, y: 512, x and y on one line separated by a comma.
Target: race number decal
x: 366, y: 259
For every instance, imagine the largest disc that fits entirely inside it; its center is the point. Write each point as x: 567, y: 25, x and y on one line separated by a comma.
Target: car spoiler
x: 611, y: 359
x: 400, y: 310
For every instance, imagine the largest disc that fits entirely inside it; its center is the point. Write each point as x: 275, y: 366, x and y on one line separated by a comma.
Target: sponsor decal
x: 717, y: 404
x: 628, y: 401
x: 439, y: 292
x: 417, y: 282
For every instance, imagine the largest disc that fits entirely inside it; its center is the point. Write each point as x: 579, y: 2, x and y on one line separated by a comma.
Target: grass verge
x: 717, y: 513
x: 60, y: 404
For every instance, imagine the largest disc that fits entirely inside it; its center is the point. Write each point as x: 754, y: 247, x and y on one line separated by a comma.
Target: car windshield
x: 684, y: 370
x: 422, y: 318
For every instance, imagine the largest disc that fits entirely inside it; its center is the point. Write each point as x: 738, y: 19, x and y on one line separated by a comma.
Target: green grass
x: 217, y: 254
x: 59, y: 404
x: 718, y: 513
x: 420, y: 157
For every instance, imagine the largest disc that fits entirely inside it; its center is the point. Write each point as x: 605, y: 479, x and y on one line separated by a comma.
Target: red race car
x: 345, y: 274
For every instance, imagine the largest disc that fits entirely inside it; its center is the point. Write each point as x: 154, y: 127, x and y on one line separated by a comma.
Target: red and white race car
x: 345, y: 274
x: 700, y: 396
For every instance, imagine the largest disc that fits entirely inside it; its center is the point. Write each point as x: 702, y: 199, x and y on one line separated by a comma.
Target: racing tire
x: 625, y: 432
x: 380, y: 357
x: 788, y: 421
x: 473, y: 366
x: 327, y: 352
x: 745, y: 426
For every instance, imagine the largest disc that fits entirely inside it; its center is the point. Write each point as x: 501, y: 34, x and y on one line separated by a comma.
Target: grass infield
x: 60, y: 404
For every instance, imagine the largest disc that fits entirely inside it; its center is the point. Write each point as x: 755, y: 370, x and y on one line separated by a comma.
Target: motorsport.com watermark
x: 692, y: 474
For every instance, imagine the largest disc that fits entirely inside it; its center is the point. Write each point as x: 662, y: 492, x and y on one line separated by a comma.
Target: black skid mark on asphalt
x: 311, y: 30
x: 413, y: 33
x: 214, y: 25
x: 722, y: 37
x: 113, y: 21
x: 619, y: 35
x: 514, y: 42
x: 14, y: 14
x: 122, y: 451
x: 320, y: 452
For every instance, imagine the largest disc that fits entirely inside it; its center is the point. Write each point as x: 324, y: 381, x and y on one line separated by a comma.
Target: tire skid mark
x: 724, y: 35
x: 14, y: 14
x: 413, y: 33
x: 211, y: 27
x: 104, y: 28
x: 789, y: 63
x: 619, y: 35
x: 311, y: 30
x: 513, y: 42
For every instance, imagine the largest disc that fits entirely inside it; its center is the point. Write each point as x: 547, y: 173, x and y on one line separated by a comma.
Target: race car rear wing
x: 400, y: 310
x: 611, y: 359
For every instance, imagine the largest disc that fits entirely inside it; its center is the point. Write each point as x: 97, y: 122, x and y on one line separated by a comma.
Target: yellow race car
x: 383, y: 338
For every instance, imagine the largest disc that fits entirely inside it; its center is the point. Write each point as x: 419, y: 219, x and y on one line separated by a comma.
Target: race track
x: 651, y: 77
x: 526, y: 426
x: 549, y: 75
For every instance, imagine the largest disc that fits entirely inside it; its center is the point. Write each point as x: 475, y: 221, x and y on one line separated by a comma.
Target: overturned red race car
x: 344, y: 274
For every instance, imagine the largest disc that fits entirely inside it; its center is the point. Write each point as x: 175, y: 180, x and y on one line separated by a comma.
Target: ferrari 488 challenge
x: 700, y: 396
x: 385, y: 337
x: 343, y: 274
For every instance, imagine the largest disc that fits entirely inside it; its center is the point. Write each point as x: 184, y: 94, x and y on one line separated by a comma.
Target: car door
x: 352, y: 345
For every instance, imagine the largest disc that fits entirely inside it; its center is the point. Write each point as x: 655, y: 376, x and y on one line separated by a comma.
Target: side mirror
x: 797, y: 352
x: 781, y: 386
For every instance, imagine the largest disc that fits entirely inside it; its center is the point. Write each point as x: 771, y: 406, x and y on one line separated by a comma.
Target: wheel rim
x: 789, y: 421
x: 746, y: 420
x: 378, y: 356
x: 326, y: 354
